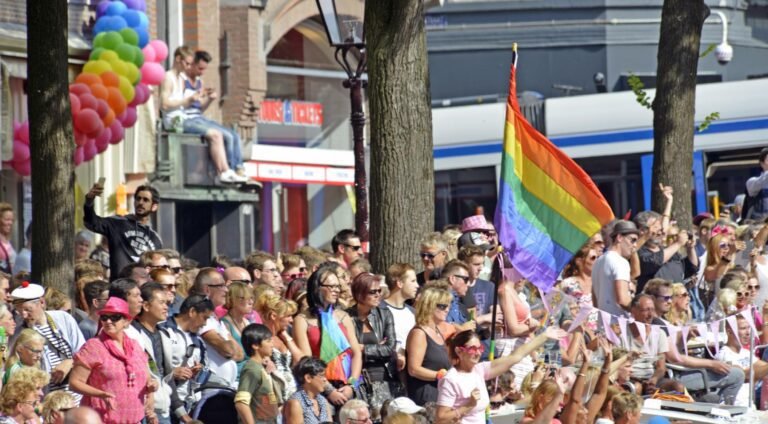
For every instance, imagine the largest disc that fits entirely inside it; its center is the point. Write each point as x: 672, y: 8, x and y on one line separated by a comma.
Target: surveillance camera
x: 724, y: 53
x: 599, y: 78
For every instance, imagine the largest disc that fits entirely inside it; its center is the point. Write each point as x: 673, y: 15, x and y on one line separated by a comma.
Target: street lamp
x: 723, y: 51
x: 346, y: 34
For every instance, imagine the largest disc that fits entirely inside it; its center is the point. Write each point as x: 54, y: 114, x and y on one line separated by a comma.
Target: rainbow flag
x: 548, y: 206
x: 335, y: 350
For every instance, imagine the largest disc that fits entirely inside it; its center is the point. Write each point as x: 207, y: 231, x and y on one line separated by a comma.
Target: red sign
x: 291, y: 113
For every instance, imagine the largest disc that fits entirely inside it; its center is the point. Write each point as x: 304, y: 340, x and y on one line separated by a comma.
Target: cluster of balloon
x: 114, y: 81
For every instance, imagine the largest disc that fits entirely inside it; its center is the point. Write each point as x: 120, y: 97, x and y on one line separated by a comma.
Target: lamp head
x: 724, y: 53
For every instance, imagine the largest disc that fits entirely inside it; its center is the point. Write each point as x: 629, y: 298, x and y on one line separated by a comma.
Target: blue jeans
x: 728, y: 384
x: 200, y: 125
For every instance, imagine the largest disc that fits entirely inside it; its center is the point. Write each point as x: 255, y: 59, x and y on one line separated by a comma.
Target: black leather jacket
x: 383, y: 324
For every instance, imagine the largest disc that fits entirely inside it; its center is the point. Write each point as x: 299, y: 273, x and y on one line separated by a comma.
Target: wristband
x: 441, y: 374
x: 605, y: 371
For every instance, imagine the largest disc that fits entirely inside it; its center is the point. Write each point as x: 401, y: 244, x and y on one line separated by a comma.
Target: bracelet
x: 581, y: 374
x: 440, y: 374
x: 665, y: 215
x: 605, y: 371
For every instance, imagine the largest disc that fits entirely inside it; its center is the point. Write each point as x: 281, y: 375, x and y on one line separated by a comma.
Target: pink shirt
x: 253, y: 317
x: 108, y: 374
x: 455, y: 388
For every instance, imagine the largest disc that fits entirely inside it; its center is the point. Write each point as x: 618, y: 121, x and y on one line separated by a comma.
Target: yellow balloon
x: 126, y: 89
x: 97, y: 67
x: 119, y: 67
x: 133, y: 74
x: 108, y: 55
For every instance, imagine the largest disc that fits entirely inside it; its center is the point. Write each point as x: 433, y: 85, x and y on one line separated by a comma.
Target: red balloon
x: 117, y: 132
x: 20, y: 151
x: 23, y: 168
x: 102, y: 141
x: 80, y: 138
x: 102, y: 108
x: 78, y: 156
x: 74, y: 104
x: 87, y: 101
x: 79, y: 89
x: 129, y: 117
x: 89, y: 150
x: 23, y: 133
x: 89, y: 123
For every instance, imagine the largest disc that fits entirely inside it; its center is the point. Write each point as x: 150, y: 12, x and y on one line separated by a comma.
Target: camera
x: 724, y: 53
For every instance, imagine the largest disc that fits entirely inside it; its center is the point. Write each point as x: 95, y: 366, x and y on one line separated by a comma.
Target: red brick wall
x: 201, y: 32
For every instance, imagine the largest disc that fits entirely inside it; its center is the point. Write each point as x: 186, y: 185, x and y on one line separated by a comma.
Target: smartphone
x: 101, y: 182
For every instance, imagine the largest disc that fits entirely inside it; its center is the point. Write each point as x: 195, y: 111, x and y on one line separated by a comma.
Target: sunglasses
x: 427, y: 255
x: 632, y: 240
x: 160, y: 266
x: 442, y: 306
x: 755, y: 288
x: 353, y: 247
x: 472, y: 350
x: 332, y: 287
x: 464, y: 278
x: 292, y: 277
x: 723, y: 245
x: 592, y: 258
x: 665, y: 298
x: 742, y: 294
x: 374, y: 292
x: 114, y: 318
x: 176, y: 269
x: 682, y: 294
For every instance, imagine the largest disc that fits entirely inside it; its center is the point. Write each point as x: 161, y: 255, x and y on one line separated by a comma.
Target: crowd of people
x: 644, y: 309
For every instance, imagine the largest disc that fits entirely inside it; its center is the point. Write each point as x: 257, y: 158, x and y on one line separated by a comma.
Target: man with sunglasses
x: 661, y: 292
x: 611, y: 274
x: 660, y: 257
x: 434, y: 255
x: 96, y: 295
x: 346, y: 247
x: 457, y: 274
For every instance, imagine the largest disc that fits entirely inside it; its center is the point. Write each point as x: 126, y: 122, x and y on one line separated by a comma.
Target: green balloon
x: 139, y: 58
x: 98, y: 41
x: 126, y: 52
x: 130, y: 36
x: 112, y: 39
x: 95, y: 53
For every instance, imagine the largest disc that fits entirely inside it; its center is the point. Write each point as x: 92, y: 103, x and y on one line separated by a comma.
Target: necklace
x: 437, y: 330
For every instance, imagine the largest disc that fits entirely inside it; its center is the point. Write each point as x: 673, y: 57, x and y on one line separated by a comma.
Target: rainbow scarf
x: 548, y: 206
x: 335, y: 350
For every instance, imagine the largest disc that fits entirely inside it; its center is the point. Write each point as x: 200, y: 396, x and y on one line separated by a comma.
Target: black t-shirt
x: 157, y: 346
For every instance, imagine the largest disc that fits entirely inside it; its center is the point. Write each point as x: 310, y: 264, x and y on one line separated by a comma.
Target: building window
x: 225, y: 63
x: 461, y: 193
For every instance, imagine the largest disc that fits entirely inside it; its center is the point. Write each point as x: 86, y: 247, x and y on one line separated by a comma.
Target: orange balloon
x: 99, y: 91
x: 116, y: 101
x: 109, y: 118
x: 88, y: 79
x: 110, y: 79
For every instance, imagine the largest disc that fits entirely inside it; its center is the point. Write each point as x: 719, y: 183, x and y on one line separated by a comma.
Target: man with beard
x: 659, y: 259
x: 128, y: 236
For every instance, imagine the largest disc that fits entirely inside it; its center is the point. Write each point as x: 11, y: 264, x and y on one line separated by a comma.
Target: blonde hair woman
x: 277, y: 315
x: 680, y: 312
x: 18, y: 401
x: 544, y: 401
x: 239, y: 305
x: 426, y: 352
x: 27, y: 351
x: 54, y: 405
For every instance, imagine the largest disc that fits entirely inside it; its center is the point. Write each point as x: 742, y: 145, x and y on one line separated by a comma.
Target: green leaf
x: 637, y: 87
x: 708, y: 50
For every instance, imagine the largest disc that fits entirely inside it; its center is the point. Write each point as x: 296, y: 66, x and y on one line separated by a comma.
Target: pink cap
x: 474, y: 223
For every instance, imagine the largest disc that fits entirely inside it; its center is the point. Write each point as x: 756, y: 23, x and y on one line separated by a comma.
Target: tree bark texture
x: 402, y: 189
x: 51, y: 145
x: 674, y: 104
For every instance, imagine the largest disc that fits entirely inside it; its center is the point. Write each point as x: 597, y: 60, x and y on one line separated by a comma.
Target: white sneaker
x: 241, y: 178
x: 228, y: 177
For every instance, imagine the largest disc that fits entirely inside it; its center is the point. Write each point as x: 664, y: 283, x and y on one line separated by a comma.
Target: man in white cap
x: 60, y: 330
x: 404, y: 405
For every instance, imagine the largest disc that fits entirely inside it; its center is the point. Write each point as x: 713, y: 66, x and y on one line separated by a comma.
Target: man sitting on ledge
x: 183, y: 101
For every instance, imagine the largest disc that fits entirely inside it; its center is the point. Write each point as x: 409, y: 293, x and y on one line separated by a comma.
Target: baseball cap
x: 404, y: 405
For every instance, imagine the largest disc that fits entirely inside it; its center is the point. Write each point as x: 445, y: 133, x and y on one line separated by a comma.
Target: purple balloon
x: 132, y: 4
x: 101, y: 8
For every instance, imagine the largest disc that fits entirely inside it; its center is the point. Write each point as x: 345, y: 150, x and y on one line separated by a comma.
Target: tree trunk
x: 402, y: 167
x: 51, y: 145
x: 674, y: 104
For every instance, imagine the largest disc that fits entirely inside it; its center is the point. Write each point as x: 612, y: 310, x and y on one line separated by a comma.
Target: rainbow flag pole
x: 548, y: 206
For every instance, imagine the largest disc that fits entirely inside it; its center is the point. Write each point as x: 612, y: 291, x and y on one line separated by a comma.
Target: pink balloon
x: 88, y: 101
x: 161, y: 50
x: 129, y: 117
x: 102, y: 108
x: 89, y: 150
x: 23, y: 168
x: 152, y: 73
x: 80, y: 138
x: 74, y: 104
x: 79, y: 154
x: 20, y: 151
x: 141, y: 95
x: 149, y: 53
x: 89, y: 123
x: 79, y: 89
x: 23, y: 133
x: 102, y: 141
x: 16, y: 126
x: 117, y: 132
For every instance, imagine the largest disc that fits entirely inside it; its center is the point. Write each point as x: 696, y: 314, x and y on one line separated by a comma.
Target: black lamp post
x: 345, y: 33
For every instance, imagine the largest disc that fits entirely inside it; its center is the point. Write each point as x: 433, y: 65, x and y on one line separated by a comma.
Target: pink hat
x: 115, y: 305
x: 474, y: 223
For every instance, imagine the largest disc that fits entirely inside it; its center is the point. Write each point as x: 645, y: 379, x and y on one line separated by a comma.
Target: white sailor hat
x: 27, y: 291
